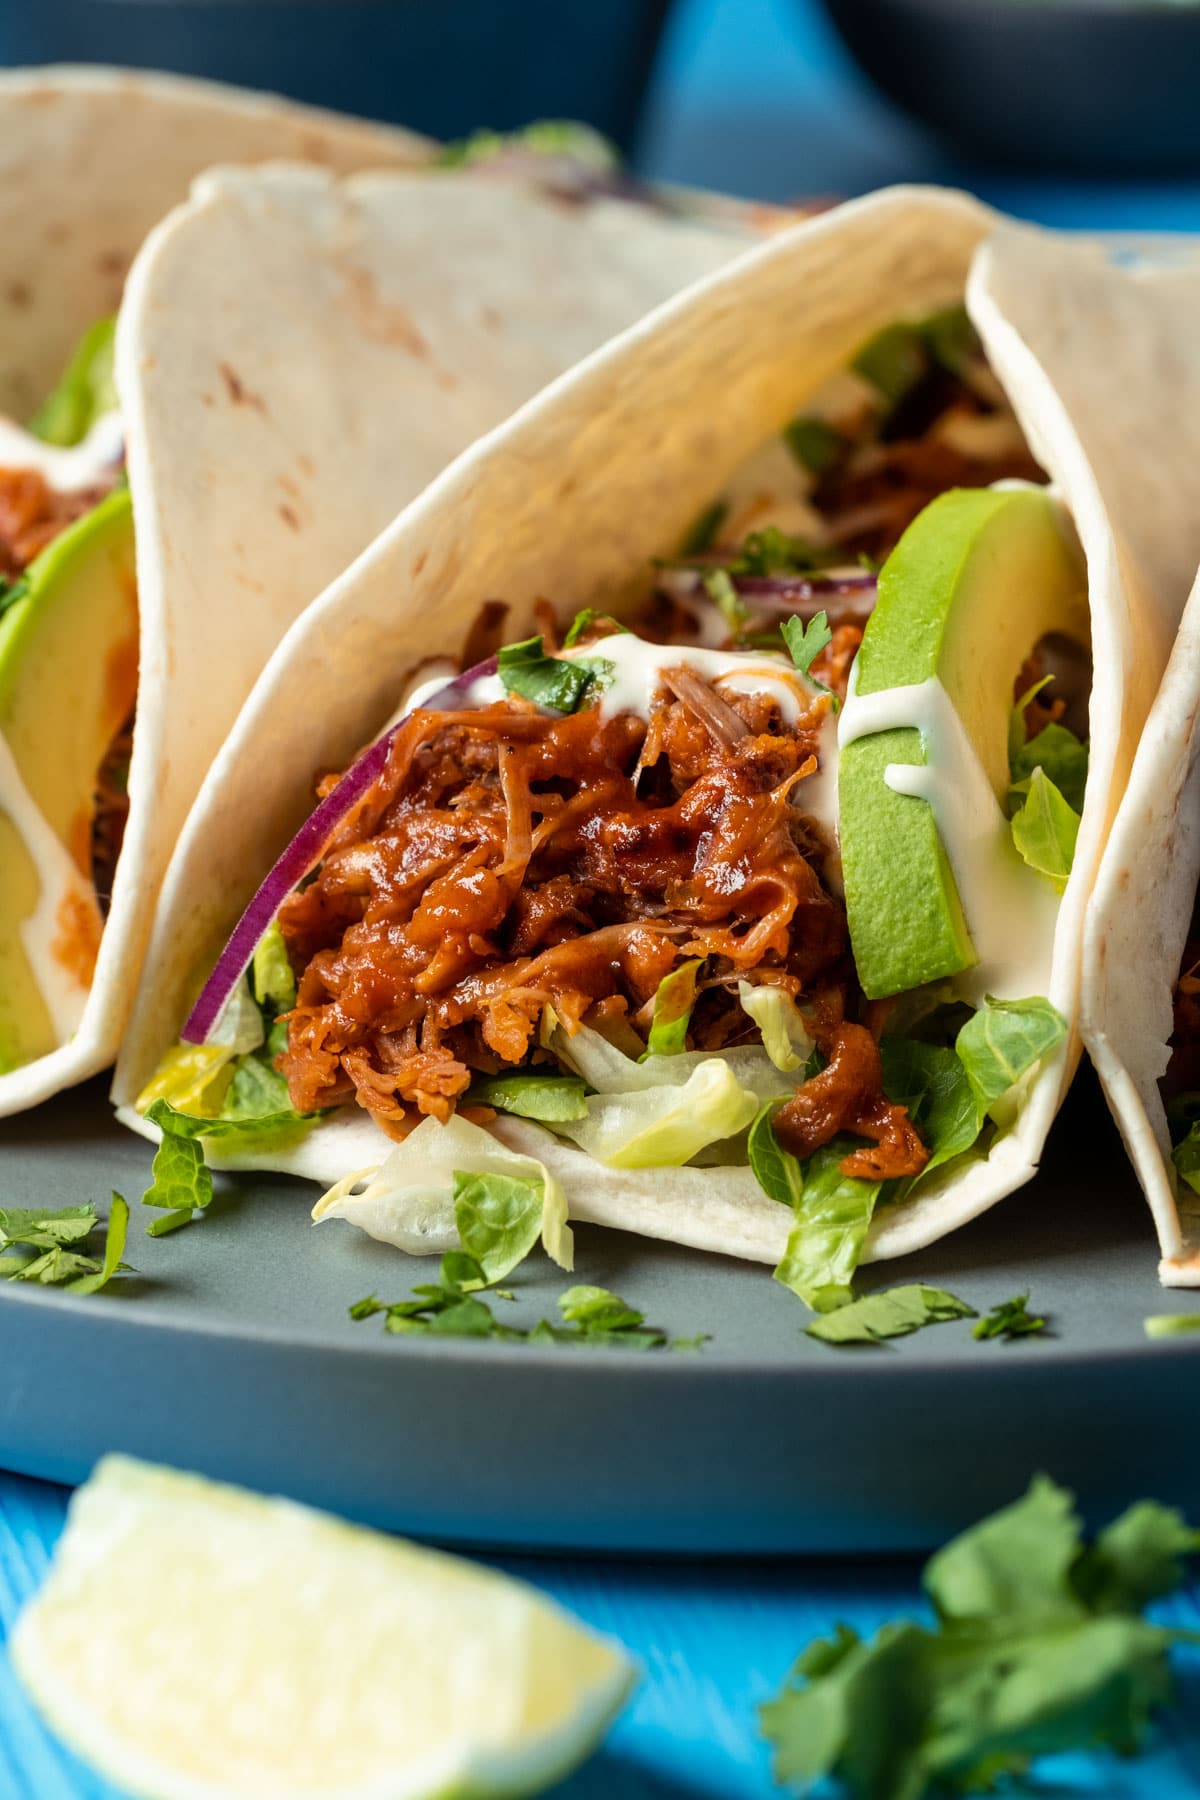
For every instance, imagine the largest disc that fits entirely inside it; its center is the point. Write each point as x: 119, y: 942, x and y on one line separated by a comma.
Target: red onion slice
x: 305, y: 850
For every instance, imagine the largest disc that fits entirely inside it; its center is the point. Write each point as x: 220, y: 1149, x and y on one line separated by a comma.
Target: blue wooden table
x: 755, y: 96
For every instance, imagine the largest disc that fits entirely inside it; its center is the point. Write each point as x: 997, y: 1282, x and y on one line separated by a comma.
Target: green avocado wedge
x: 68, y: 679
x: 979, y: 577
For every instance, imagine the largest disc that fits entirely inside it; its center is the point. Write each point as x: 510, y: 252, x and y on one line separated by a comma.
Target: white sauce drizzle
x: 67, y: 470
x: 59, y: 880
x: 1010, y: 909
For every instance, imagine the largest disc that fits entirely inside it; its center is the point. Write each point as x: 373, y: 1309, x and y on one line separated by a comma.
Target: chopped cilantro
x: 1009, y: 1319
x: 805, y: 643
x: 451, y: 1307
x: 894, y: 1312
x: 585, y: 620
x: 1037, y: 1646
x: 50, y: 1246
x: 556, y: 683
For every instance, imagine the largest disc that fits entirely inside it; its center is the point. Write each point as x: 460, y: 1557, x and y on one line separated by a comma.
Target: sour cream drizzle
x: 62, y: 891
x: 1010, y: 909
x: 66, y: 470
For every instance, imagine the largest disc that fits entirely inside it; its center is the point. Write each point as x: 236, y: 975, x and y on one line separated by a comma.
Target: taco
x: 1142, y: 963
x: 727, y: 884
x: 269, y: 429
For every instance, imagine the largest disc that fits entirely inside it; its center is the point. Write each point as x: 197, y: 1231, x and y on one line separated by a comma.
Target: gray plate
x: 231, y: 1352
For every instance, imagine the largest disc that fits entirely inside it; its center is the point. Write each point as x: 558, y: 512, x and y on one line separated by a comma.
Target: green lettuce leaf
x: 559, y: 684
x: 932, y: 1081
x: 1186, y: 1157
x: 499, y: 1219
x: 86, y: 392
x: 832, y: 1219
x: 606, y: 1068
x: 894, y: 1312
x: 1062, y: 758
x: 1045, y: 828
x: 664, y: 1125
x: 893, y: 361
x: 45, y: 1230
x: 1004, y: 1040
x: 540, y: 1094
x: 673, y: 1005
x: 180, y: 1179
x: 785, y: 1035
x: 410, y: 1199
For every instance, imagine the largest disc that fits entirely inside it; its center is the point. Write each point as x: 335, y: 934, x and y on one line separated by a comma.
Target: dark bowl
x: 440, y: 66
x: 1072, y: 85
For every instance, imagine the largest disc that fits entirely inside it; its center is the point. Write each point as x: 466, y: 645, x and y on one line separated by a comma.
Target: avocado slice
x: 68, y: 680
x: 977, y: 579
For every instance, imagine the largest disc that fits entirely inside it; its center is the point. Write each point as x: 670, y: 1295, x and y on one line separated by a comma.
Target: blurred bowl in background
x: 440, y: 66
x: 1071, y: 85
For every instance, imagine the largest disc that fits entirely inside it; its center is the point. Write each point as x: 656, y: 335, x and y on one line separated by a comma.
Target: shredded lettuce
x: 606, y: 1068
x: 932, y: 1081
x: 271, y: 977
x: 1045, y: 828
x: 409, y: 1199
x: 540, y: 1094
x: 673, y: 1005
x: 499, y: 1218
x: 666, y: 1125
x: 832, y: 1221
x: 786, y: 1038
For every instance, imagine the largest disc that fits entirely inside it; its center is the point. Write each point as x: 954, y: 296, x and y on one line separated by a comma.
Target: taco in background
x: 736, y: 897
x: 296, y: 358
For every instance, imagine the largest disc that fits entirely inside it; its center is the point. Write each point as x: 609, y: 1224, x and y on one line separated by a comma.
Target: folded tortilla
x: 572, y: 500
x: 297, y: 357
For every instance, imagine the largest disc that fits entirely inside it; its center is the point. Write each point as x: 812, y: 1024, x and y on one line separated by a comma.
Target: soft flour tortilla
x: 92, y: 158
x: 1142, y: 398
x: 571, y: 501
x: 1135, y: 937
x: 297, y: 357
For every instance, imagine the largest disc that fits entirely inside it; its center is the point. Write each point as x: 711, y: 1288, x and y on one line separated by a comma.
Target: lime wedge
x: 196, y: 1642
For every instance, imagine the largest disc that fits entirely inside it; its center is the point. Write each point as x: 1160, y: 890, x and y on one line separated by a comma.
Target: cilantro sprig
x: 557, y: 683
x: 1010, y: 1319
x: 1037, y: 1646
x: 47, y: 1246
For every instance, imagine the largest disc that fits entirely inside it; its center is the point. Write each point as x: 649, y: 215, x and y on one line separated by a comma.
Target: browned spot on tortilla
x: 446, y: 380
x: 18, y: 294
x: 288, y: 515
x: 490, y: 318
x: 420, y: 563
x: 386, y: 323
x: 76, y: 942
x: 1123, y: 879
x: 314, y: 147
x: 45, y: 96
x: 288, y: 486
x: 208, y: 400
x: 237, y: 390
x: 306, y: 464
x: 112, y: 262
x: 57, y: 232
